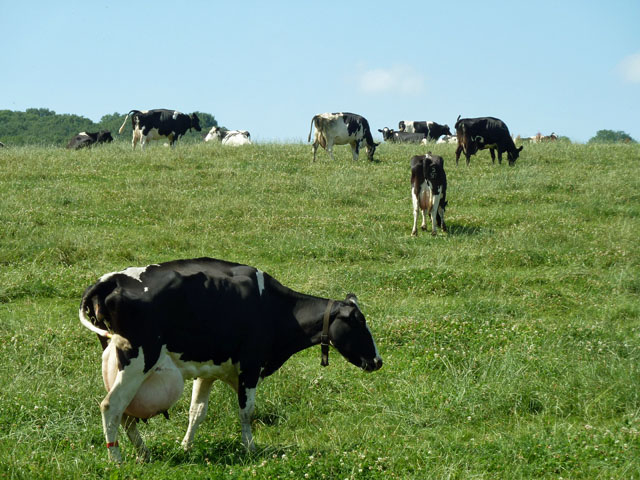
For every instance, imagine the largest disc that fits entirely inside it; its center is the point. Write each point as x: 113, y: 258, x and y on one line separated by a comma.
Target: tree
x: 609, y: 136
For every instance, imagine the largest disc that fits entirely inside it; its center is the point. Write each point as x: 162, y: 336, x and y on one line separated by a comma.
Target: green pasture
x: 511, y: 344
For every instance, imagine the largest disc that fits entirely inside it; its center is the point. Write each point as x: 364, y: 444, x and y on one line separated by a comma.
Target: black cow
x: 206, y: 319
x: 392, y: 136
x: 485, y: 132
x: 428, y: 191
x: 340, y: 129
x: 432, y: 130
x: 86, y: 139
x: 155, y: 124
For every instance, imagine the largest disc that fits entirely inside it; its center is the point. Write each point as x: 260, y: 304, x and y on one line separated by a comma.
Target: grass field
x: 511, y: 344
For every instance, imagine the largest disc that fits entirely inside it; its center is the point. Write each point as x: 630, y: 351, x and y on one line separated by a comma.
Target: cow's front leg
x: 493, y: 155
x: 247, y: 402
x: 130, y: 425
x: 198, y: 408
x: 124, y: 388
x: 355, y: 150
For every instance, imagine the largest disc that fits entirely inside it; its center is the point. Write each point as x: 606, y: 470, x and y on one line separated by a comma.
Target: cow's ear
x: 351, y: 297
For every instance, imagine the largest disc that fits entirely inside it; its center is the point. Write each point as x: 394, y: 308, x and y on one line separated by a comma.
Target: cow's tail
x: 311, y: 129
x: 90, y: 313
x: 125, y: 120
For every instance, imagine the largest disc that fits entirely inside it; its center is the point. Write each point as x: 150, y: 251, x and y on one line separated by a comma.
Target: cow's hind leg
x: 130, y: 425
x: 416, y: 208
x: 434, y: 212
x: 198, y: 408
x: 124, y: 388
x: 458, y: 152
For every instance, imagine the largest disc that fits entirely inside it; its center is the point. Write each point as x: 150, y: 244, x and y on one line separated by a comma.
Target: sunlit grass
x: 511, y: 344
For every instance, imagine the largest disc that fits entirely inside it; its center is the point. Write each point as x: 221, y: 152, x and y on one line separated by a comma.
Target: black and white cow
x: 233, y: 138
x: 210, y: 320
x: 428, y: 191
x: 392, y: 136
x: 340, y: 129
x: 155, y: 124
x: 432, y: 130
x: 86, y: 139
x: 485, y: 132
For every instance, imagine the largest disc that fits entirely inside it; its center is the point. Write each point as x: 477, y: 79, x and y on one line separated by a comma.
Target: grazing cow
x: 340, y: 129
x: 155, y: 124
x: 428, y: 191
x: 206, y: 319
x: 538, y: 138
x: 432, y: 130
x: 485, y: 132
x: 85, y: 139
x: 229, y: 137
x: 392, y: 136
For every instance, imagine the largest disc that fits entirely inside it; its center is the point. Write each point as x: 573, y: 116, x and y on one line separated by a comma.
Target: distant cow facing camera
x: 428, y: 191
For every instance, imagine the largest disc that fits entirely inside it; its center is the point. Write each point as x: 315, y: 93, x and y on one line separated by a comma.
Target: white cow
x: 341, y: 129
x: 232, y: 138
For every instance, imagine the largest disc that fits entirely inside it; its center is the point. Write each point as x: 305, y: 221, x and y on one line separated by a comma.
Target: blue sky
x: 571, y: 67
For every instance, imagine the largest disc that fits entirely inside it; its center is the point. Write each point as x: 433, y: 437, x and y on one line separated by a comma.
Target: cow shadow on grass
x: 465, y: 230
x: 221, y: 451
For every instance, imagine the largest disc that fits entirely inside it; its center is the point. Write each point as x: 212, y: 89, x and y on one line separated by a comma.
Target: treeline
x: 41, y: 126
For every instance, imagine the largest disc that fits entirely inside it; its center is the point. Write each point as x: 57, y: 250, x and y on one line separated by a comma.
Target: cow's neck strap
x: 324, y: 338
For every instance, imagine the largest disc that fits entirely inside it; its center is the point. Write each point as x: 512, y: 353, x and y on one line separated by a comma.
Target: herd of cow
x: 472, y: 134
x: 210, y: 320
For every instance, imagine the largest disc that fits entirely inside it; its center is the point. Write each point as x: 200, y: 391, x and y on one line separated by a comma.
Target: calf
x: 206, y: 319
x: 428, y: 191
x: 155, y: 124
x: 229, y: 137
x: 340, y: 129
x: 431, y: 130
x: 85, y: 139
x: 401, y: 137
x: 485, y: 132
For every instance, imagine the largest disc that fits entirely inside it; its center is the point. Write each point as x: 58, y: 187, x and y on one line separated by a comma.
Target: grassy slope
x: 511, y: 345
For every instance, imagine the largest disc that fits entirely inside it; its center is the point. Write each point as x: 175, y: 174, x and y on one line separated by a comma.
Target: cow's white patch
x: 260, y: 279
x: 227, y: 371
x: 175, y: 114
x: 133, y: 272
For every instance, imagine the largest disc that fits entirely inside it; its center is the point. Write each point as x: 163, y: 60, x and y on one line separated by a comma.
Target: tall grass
x: 511, y: 344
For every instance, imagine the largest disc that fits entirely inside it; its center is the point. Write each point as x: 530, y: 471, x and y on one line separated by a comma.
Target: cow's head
x: 401, y: 126
x: 104, y: 136
x: 195, y: 122
x: 513, y: 155
x: 351, y: 336
x: 371, y: 149
x: 446, y: 130
x: 387, y: 133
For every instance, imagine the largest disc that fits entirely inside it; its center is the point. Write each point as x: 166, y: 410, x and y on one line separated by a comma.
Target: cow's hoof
x: 424, y: 227
x: 433, y: 233
x: 414, y: 233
